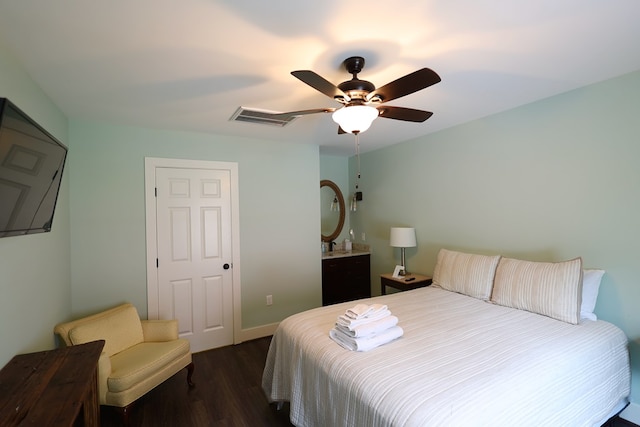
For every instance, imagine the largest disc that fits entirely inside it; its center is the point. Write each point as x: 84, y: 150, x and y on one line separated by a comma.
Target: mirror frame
x: 338, y: 230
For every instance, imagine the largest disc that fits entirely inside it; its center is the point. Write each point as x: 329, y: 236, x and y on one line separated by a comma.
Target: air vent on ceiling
x: 264, y: 117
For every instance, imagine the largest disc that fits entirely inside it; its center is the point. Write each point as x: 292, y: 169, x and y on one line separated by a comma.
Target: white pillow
x: 467, y: 274
x: 590, y: 287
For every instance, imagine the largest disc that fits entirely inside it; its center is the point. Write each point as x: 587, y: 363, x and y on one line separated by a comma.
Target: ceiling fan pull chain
x: 355, y: 198
x: 358, y: 156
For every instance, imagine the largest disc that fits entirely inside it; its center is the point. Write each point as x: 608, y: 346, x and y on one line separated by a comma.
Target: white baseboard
x: 257, y: 332
x: 631, y: 413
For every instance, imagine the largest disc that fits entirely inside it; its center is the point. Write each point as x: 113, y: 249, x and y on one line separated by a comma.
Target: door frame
x: 150, y: 166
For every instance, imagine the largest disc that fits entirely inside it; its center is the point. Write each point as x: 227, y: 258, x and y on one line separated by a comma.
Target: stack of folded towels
x: 365, y: 327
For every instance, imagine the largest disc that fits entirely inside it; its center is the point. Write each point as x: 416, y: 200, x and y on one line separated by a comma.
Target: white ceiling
x: 188, y: 64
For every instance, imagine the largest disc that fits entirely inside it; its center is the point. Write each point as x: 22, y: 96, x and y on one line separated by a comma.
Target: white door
x: 195, y: 254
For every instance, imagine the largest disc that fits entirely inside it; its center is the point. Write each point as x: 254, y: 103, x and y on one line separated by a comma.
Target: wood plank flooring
x: 227, y: 393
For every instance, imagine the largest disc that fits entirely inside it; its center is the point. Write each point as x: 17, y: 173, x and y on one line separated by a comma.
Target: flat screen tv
x: 31, y: 164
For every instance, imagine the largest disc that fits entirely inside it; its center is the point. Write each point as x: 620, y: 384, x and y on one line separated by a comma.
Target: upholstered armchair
x: 137, y: 356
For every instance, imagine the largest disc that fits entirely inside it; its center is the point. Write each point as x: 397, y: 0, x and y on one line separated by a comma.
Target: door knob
x: 226, y: 266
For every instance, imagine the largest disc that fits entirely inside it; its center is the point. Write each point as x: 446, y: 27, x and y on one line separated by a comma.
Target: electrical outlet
x: 269, y: 299
x: 364, y: 237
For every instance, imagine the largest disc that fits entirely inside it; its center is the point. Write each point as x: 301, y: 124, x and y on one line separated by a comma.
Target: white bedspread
x: 461, y: 362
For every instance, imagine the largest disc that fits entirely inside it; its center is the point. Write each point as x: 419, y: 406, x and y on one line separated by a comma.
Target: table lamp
x: 402, y: 237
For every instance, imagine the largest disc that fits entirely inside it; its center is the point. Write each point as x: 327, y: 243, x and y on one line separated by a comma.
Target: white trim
x: 631, y: 413
x: 151, y: 238
x: 259, y: 332
x: 150, y: 165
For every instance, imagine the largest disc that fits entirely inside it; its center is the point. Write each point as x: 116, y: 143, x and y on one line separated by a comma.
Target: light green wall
x: 279, y: 216
x: 548, y: 181
x: 35, y: 281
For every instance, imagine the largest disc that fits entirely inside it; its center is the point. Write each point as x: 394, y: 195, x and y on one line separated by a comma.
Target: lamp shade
x: 402, y: 237
x: 355, y: 118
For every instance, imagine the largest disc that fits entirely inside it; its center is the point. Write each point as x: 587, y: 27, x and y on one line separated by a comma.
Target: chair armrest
x: 104, y: 370
x: 160, y: 330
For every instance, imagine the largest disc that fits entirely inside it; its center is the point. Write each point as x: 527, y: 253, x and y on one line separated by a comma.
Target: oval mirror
x: 332, y: 210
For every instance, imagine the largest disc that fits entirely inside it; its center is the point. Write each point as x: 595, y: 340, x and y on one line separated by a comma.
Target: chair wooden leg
x: 190, y: 368
x: 124, y: 414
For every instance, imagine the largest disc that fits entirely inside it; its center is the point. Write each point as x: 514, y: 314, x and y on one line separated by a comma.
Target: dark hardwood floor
x: 227, y: 393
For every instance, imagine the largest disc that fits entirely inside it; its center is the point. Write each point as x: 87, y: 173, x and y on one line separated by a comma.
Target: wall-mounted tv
x: 31, y: 164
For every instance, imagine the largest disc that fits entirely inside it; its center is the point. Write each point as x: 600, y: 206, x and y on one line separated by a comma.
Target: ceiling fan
x: 362, y: 101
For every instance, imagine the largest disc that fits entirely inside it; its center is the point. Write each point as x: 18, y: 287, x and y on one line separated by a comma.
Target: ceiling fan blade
x: 320, y: 84
x: 406, y: 85
x: 402, y: 113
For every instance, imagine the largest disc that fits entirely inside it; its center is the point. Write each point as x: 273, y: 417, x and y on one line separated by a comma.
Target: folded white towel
x: 368, y: 343
x: 363, y: 310
x: 348, y: 322
x: 357, y: 311
x: 369, y: 328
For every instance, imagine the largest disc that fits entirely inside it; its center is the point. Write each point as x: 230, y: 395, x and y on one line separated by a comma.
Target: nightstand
x: 387, y: 279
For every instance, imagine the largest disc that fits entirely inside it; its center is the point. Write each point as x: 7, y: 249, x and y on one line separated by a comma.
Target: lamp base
x: 403, y: 271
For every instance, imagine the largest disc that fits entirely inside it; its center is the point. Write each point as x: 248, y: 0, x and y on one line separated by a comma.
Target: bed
x: 464, y: 359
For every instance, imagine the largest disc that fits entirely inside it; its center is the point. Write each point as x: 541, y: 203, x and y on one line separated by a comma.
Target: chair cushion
x: 131, y: 366
x: 120, y: 329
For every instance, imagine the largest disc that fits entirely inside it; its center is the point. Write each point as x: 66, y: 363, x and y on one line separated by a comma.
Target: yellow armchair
x: 138, y: 354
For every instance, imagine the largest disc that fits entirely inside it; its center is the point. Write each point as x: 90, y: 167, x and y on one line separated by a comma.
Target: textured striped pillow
x: 547, y: 288
x: 467, y: 274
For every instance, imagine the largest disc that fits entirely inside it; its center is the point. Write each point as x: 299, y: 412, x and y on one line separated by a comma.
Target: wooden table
x: 51, y: 388
x: 402, y: 283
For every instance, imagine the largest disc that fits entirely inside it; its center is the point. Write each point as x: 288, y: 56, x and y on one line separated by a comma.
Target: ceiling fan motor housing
x: 356, y: 88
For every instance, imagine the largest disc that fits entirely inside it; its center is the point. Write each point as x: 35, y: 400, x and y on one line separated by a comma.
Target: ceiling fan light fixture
x: 355, y: 118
